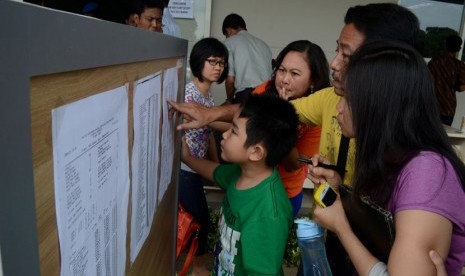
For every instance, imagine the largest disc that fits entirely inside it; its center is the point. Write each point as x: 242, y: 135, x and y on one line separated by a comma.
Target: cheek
x: 300, y: 87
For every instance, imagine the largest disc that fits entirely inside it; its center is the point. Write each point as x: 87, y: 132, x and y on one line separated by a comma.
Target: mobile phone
x: 325, y: 195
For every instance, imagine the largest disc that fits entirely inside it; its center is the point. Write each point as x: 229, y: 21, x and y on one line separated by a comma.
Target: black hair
x: 316, y: 61
x: 233, y: 21
x: 390, y: 95
x: 453, y: 43
x: 202, y: 50
x: 273, y: 122
x: 140, y: 5
x: 385, y: 21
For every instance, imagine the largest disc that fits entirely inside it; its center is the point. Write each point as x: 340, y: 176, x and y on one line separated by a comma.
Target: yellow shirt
x: 319, y: 109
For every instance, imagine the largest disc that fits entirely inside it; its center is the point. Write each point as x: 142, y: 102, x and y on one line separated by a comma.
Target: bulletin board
x: 63, y: 59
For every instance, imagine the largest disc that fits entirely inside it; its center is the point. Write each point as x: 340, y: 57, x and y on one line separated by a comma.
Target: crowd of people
x: 378, y: 122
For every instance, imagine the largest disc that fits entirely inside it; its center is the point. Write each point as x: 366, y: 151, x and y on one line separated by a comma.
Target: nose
x: 286, y: 77
x: 336, y: 62
x: 226, y: 133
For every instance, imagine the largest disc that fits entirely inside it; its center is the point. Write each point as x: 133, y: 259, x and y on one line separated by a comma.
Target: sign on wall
x: 182, y: 8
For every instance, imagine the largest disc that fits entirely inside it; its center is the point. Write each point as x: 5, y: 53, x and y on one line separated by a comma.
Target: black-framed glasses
x: 214, y: 62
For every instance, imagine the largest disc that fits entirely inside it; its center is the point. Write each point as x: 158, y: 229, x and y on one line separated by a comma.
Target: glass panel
x: 438, y: 19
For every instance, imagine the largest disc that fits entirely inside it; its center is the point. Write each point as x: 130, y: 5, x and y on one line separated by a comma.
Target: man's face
x: 349, y: 41
x: 344, y: 118
x: 150, y: 19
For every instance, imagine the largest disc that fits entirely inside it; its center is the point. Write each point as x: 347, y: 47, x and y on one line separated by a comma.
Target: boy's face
x: 232, y: 145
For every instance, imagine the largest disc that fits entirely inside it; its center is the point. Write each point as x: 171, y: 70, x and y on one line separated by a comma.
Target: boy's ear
x: 258, y: 153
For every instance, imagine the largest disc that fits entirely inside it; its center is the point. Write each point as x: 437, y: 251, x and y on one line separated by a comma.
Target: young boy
x: 255, y: 214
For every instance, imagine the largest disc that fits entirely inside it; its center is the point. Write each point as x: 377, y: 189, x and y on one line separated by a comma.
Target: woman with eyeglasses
x: 208, y: 65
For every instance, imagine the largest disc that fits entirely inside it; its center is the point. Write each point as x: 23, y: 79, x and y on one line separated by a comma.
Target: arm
x: 212, y: 151
x: 333, y: 218
x: 417, y: 232
x: 230, y: 89
x: 220, y: 126
x: 202, y: 166
x: 196, y: 115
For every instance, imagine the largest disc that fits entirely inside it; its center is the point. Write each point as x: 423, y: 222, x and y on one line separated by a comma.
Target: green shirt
x: 253, y: 224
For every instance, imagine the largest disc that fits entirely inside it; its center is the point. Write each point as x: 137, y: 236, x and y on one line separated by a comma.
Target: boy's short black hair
x: 273, y: 122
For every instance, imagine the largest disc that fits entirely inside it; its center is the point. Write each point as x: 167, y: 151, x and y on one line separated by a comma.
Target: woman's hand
x: 319, y: 175
x: 332, y: 217
x: 283, y: 94
x: 195, y: 115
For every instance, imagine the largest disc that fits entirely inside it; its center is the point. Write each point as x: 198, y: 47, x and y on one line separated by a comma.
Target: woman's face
x: 213, y: 68
x: 294, y: 75
x: 344, y: 118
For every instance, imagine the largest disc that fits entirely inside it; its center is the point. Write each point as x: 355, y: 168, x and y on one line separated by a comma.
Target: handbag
x: 373, y: 225
x: 188, y: 231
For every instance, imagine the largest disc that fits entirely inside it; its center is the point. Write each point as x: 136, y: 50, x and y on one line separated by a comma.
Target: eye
x: 345, y: 57
x: 281, y: 70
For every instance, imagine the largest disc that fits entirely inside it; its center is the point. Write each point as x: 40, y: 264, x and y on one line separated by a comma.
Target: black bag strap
x: 342, y: 156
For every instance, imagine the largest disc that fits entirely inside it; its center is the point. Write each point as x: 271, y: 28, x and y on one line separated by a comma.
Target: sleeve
x: 311, y: 108
x: 263, y: 246
x: 379, y: 269
x: 309, y: 140
x: 429, y: 182
x: 232, y: 70
x: 225, y: 175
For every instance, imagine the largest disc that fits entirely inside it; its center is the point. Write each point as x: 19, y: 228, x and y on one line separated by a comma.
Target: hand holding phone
x: 324, y: 195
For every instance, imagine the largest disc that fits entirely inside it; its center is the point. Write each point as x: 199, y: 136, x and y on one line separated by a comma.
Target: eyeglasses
x: 151, y: 19
x: 214, y: 62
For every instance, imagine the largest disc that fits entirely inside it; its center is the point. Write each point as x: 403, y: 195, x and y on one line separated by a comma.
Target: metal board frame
x: 38, y: 41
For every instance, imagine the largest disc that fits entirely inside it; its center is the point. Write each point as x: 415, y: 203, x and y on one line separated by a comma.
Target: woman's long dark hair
x: 390, y: 94
x: 315, y: 58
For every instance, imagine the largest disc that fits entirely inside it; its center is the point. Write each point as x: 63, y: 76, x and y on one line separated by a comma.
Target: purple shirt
x: 429, y: 182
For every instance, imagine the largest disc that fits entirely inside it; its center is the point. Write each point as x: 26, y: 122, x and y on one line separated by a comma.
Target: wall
x: 280, y: 22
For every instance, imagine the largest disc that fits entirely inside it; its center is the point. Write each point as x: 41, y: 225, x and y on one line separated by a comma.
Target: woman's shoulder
x: 428, y: 175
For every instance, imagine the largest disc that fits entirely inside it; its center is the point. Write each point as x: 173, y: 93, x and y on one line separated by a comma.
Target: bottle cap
x: 307, y: 228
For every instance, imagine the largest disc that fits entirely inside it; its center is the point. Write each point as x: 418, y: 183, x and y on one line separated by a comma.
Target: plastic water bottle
x: 312, y: 246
